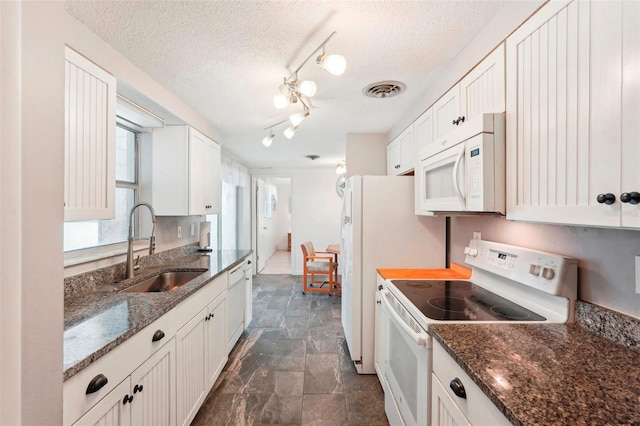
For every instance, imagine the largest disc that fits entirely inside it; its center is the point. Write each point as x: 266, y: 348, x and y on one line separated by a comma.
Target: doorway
x: 271, y: 219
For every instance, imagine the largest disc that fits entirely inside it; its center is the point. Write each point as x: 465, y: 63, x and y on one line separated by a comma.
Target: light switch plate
x: 637, y: 274
x: 193, y: 229
x: 179, y: 231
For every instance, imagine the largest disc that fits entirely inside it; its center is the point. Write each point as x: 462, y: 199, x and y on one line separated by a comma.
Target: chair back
x: 307, y: 249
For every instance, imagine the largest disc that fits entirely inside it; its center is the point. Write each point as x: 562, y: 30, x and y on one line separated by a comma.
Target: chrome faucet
x: 152, y: 238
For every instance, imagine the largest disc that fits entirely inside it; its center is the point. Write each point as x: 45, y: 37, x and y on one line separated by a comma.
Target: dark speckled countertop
x: 97, y: 321
x: 551, y: 374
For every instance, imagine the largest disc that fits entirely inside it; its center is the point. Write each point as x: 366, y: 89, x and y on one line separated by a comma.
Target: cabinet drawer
x: 115, y: 367
x: 476, y: 406
x: 236, y: 274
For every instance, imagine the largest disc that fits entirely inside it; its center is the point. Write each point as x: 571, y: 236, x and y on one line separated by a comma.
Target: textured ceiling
x: 227, y: 58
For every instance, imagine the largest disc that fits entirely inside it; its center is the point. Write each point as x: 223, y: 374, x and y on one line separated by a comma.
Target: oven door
x: 442, y: 180
x: 407, y: 364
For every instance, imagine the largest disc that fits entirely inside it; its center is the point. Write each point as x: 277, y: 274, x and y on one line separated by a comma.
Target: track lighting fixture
x: 341, y: 168
x: 293, y: 90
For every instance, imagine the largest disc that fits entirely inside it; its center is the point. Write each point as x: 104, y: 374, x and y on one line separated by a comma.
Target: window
x: 94, y: 233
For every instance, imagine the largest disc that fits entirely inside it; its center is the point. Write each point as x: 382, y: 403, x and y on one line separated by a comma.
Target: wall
x: 315, y: 211
x: 31, y: 159
x: 606, y: 256
x: 366, y: 154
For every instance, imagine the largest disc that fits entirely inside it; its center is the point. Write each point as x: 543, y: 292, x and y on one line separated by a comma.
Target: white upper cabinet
x: 401, y: 153
x: 482, y: 90
x: 573, y: 102
x: 446, y: 112
x: 90, y: 132
x: 423, y: 128
x: 185, y: 172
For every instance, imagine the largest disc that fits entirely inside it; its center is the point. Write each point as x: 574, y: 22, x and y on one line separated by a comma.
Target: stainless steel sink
x: 163, y: 282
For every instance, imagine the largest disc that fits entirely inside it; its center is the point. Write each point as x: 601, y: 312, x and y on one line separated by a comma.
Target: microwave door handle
x: 419, y: 339
x: 456, y: 184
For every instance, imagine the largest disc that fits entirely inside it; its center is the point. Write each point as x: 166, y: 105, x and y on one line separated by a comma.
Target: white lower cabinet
x: 455, y: 398
x: 201, y: 354
x: 162, y: 374
x: 146, y: 397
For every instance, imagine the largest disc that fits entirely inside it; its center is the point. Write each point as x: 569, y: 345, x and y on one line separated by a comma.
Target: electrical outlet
x: 638, y: 274
x: 193, y: 229
x: 477, y: 236
x: 179, y: 231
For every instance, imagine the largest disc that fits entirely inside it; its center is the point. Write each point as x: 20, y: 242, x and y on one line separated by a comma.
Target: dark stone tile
x: 271, y: 318
x: 322, y: 346
x: 249, y: 375
x: 365, y: 408
x: 283, y: 398
x: 230, y: 409
x: 298, y: 308
x: 352, y: 382
x: 289, y: 355
x: 322, y: 374
x: 279, y: 302
x: 324, y: 409
x: 346, y: 364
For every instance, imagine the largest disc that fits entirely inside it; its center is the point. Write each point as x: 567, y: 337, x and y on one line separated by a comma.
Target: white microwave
x: 465, y: 170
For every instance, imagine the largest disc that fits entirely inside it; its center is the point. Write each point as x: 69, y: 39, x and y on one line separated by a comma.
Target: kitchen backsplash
x: 612, y: 325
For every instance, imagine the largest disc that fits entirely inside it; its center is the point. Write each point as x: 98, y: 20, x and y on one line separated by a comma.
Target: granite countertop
x: 551, y: 374
x: 97, y: 321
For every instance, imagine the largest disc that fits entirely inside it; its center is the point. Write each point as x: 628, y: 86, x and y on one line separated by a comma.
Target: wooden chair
x: 324, y: 266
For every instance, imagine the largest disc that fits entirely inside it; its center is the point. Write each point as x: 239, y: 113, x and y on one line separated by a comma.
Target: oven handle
x: 419, y: 339
x: 456, y: 184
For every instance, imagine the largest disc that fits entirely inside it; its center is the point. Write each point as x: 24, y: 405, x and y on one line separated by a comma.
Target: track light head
x: 334, y: 64
x: 290, y: 131
x: 307, y: 88
x: 297, y: 118
x: 268, y: 139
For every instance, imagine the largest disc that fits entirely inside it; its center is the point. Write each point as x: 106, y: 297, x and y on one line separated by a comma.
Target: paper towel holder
x: 205, y: 237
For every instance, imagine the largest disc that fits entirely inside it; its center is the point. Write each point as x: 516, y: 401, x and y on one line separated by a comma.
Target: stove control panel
x: 548, y: 272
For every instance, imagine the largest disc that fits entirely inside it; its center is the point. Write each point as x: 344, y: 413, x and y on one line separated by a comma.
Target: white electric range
x: 507, y: 284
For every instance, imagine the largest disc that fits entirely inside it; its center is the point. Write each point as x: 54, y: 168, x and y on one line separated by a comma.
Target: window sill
x: 93, y: 254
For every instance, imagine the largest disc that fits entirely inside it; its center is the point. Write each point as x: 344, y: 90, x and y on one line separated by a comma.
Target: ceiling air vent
x: 384, y: 89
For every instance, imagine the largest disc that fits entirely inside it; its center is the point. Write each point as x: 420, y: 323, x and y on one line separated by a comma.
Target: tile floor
x: 291, y: 366
x: 278, y: 263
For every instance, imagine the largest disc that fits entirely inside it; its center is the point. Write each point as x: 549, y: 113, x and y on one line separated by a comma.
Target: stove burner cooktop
x: 461, y: 301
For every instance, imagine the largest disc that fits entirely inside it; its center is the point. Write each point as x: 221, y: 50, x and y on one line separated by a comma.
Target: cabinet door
x: 393, y: 158
x: 407, y: 151
x: 204, y: 174
x: 154, y: 383
x: 191, y: 368
x: 630, y: 110
x: 444, y: 412
x: 110, y: 411
x: 565, y: 126
x: 216, y: 350
x: 445, y: 111
x: 423, y: 129
x: 198, y: 162
x: 483, y: 89
x: 212, y: 180
x: 90, y: 150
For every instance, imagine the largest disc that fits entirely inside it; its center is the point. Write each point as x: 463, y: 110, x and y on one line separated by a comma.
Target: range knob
x: 548, y: 273
x: 534, y: 269
x: 470, y: 251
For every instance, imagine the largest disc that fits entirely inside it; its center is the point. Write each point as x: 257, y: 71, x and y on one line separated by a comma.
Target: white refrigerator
x: 380, y: 230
